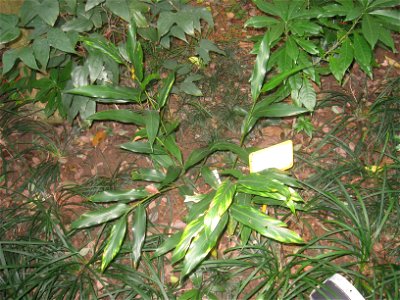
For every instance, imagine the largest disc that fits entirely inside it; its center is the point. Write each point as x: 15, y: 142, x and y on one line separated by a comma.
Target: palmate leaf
x: 263, y: 224
x: 114, y: 242
x: 100, y: 216
x: 219, y: 205
x: 260, y: 67
x: 202, y: 245
x: 139, y: 233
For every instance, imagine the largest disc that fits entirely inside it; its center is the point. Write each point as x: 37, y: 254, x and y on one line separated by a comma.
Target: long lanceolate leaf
x: 219, y: 205
x: 114, y: 242
x: 100, y: 216
x: 152, y: 122
x: 263, y: 224
x: 107, y: 92
x: 260, y: 67
x: 139, y: 233
x: 119, y: 115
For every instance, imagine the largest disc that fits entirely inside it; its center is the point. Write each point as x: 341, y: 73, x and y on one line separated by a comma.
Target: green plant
x: 305, y: 40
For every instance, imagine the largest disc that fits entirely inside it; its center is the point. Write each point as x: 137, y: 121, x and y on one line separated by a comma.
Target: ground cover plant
x: 263, y: 235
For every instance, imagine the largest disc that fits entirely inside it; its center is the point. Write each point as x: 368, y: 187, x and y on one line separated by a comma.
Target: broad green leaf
x: 131, y: 42
x: 191, y: 295
x: 147, y: 174
x: 259, y: 182
x: 291, y: 49
x: 92, y: 3
x: 95, y: 65
x: 152, y: 122
x: 278, y: 110
x: 209, y: 177
x: 165, y: 90
x: 164, y: 23
x: 205, y: 46
x: 263, y: 224
x: 307, y: 46
x: 171, y: 146
x: 278, y: 79
x: 114, y: 242
x: 369, y: 28
x: 79, y: 24
x: 267, y: 7
x: 105, y: 47
x: 169, y: 244
x: 59, y: 40
x: 392, y: 16
x: 107, y: 92
x: 100, y: 216
x: 190, y: 88
x: 260, y: 22
x: 219, y: 205
x: 339, y: 65
x: 191, y: 231
x: 260, y: 67
x: 363, y: 54
x: 303, y: 28
x: 139, y: 233
x: 202, y: 245
x: 113, y: 196
x: 119, y: 115
x: 386, y: 38
x: 9, y: 34
x: 119, y: 8
x: 185, y: 22
x: 49, y: 11
x: 306, y: 95
x: 26, y: 55
x: 143, y: 147
x: 41, y: 50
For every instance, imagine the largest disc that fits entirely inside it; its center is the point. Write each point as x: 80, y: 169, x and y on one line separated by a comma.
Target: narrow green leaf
x: 171, y: 146
x: 369, y: 28
x: 147, y: 174
x: 119, y: 115
x: 202, y: 245
x: 278, y: 79
x: 260, y: 67
x: 209, y: 177
x: 291, y: 49
x: 131, y: 42
x: 139, y: 233
x: 278, y: 110
x: 263, y: 224
x: 219, y: 205
x: 119, y: 8
x: 165, y: 90
x: 169, y: 244
x: 307, y: 46
x: 191, y: 231
x: 260, y: 22
x: 114, y: 242
x: 143, y: 147
x: 152, y: 122
x: 307, y: 95
x: 363, y: 53
x: 196, y: 156
x: 392, y: 16
x: 127, y: 195
x: 339, y: 65
x: 103, y: 46
x: 386, y: 38
x: 107, y: 92
x: 100, y: 216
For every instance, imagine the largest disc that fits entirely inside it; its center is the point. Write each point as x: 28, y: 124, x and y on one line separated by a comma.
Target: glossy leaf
x: 107, y: 92
x: 172, y: 147
x: 49, y: 11
x: 278, y: 79
x: 369, y: 28
x: 139, y: 233
x: 339, y: 65
x: 119, y: 115
x: 169, y: 244
x: 105, y: 47
x: 191, y: 231
x: 113, y: 196
x: 260, y: 22
x: 219, y: 205
x: 363, y: 54
x: 152, y: 122
x: 147, y: 174
x: 263, y: 224
x: 114, y: 242
x: 165, y: 90
x: 100, y: 216
x: 306, y: 95
x: 210, y: 178
x: 278, y: 110
x: 92, y: 3
x: 201, y: 246
x: 260, y: 67
x: 142, y: 147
